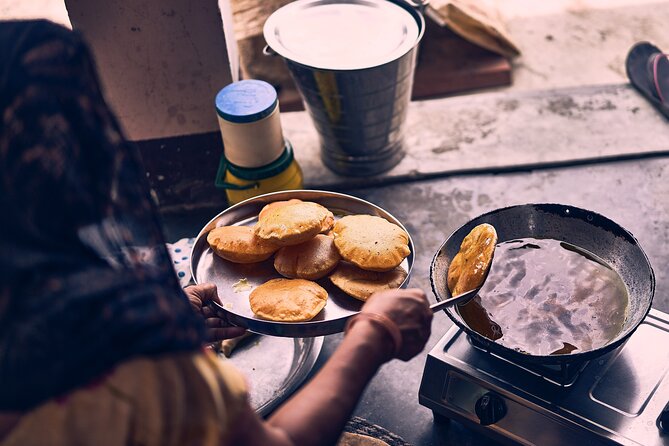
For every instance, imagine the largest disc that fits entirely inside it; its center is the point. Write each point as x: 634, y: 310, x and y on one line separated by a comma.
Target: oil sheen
x: 545, y: 297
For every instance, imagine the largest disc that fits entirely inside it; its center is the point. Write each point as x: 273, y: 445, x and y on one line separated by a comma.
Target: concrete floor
x: 580, y: 42
x: 563, y: 42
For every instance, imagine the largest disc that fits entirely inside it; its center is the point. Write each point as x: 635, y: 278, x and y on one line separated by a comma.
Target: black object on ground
x: 648, y: 71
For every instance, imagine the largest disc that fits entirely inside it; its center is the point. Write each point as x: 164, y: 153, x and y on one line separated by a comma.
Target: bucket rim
x: 278, y: 49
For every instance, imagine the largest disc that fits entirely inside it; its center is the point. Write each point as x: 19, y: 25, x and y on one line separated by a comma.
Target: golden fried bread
x: 311, y: 260
x: 288, y: 300
x: 293, y: 223
x: 327, y: 223
x: 239, y: 244
x: 371, y: 242
x: 361, y: 284
x: 276, y: 204
x: 350, y: 439
x: 470, y: 265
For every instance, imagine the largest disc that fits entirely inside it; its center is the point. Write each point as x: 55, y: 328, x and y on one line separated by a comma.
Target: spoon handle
x: 460, y: 298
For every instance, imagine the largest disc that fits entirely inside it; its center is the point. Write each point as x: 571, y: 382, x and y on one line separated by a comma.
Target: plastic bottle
x: 256, y: 158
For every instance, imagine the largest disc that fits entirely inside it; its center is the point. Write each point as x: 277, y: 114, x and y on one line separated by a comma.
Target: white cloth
x: 180, y: 252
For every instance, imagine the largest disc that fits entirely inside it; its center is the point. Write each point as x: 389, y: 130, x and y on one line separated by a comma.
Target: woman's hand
x: 410, y: 311
x: 217, y: 328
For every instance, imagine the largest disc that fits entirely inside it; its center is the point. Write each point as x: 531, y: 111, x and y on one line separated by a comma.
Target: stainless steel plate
x: 208, y: 267
x: 274, y: 367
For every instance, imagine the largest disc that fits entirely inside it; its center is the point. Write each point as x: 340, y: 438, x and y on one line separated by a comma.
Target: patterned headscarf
x: 85, y: 279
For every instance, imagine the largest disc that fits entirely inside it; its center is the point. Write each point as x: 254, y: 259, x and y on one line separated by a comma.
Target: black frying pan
x: 580, y: 227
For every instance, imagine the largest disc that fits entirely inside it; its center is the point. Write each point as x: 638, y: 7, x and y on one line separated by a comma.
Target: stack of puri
x: 372, y: 250
x: 361, y: 254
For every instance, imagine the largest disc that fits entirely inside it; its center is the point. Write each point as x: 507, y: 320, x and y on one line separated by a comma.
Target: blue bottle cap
x: 246, y: 101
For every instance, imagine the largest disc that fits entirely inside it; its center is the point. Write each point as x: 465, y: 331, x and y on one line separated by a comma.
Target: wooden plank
x: 484, y: 133
x: 502, y: 132
x: 449, y: 64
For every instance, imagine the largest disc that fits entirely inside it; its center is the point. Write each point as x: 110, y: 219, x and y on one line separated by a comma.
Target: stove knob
x: 490, y: 408
x: 663, y: 420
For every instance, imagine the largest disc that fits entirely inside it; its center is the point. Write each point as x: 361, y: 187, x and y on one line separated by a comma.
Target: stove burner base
x: 614, y: 399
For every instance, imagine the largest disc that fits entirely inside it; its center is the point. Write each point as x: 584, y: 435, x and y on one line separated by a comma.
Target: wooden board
x: 447, y: 64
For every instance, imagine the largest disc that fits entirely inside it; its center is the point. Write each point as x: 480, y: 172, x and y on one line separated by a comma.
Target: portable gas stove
x: 620, y: 398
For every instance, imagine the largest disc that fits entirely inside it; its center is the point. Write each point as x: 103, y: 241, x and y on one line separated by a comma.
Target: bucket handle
x: 420, y: 5
x: 267, y: 51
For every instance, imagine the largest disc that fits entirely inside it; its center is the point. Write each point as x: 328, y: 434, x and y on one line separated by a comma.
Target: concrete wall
x: 161, y: 61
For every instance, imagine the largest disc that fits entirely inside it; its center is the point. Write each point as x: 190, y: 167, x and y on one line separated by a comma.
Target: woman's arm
x: 316, y: 415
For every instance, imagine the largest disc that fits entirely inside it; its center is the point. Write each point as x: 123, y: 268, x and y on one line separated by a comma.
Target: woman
x: 98, y: 344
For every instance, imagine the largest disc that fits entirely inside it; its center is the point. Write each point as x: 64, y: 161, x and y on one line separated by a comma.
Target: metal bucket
x: 359, y: 107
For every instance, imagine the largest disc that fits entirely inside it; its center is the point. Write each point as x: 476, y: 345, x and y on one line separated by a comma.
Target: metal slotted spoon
x: 441, y: 267
x: 455, y: 300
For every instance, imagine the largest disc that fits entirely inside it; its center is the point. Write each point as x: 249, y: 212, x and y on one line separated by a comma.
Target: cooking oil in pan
x: 544, y: 297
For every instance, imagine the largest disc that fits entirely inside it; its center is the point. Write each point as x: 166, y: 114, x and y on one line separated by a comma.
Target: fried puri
x: 371, y: 243
x: 293, y: 223
x: 351, y: 439
x: 310, y: 260
x: 239, y: 244
x: 288, y: 300
x: 275, y: 205
x: 361, y: 284
x: 327, y: 223
x: 470, y: 265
